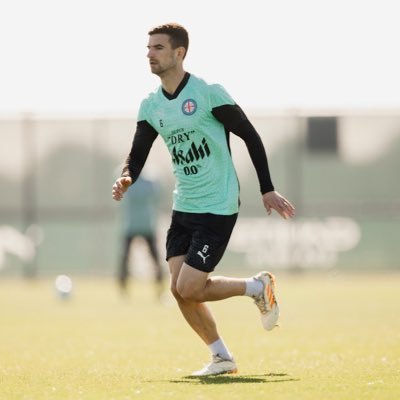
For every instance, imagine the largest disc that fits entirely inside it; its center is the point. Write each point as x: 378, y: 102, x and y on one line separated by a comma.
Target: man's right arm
x: 143, y: 140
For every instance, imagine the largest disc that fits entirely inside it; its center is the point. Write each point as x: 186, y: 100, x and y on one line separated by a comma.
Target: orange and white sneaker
x: 266, y: 301
x: 217, y: 366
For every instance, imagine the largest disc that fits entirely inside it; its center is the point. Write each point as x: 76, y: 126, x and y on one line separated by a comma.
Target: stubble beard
x: 161, y: 71
x: 157, y: 70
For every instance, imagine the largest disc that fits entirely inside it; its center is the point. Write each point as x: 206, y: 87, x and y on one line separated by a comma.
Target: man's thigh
x: 175, y: 265
x: 191, y: 279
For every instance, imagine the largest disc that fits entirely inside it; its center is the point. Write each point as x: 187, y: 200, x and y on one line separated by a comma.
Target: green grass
x: 339, y: 339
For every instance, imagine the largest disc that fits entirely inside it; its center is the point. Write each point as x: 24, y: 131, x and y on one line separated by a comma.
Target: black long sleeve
x: 234, y: 120
x: 142, y: 141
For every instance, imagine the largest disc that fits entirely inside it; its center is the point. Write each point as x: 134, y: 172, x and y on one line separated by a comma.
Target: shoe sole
x: 269, y: 291
x: 230, y: 372
x: 271, y: 298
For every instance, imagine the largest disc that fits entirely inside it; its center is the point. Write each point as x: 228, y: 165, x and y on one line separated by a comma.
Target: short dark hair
x: 178, y: 35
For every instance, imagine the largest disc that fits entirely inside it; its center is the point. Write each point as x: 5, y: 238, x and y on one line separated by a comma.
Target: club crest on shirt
x: 189, y: 107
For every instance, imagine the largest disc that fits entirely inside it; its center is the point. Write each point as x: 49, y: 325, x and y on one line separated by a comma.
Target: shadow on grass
x: 224, y: 379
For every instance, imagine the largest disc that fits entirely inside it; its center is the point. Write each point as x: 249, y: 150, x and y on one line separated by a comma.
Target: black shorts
x: 201, y: 237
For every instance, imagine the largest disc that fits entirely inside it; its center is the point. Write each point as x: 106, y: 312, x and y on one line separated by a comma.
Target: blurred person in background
x: 139, y: 221
x: 194, y: 119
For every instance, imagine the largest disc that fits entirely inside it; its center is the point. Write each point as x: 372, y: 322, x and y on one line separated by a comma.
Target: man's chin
x: 155, y: 71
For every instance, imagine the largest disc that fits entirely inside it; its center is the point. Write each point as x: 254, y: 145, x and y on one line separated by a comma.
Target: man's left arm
x: 234, y: 120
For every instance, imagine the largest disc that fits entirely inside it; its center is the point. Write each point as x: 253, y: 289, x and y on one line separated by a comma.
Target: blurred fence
x: 340, y: 169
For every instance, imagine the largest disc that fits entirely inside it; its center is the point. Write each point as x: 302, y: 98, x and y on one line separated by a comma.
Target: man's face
x: 161, y: 55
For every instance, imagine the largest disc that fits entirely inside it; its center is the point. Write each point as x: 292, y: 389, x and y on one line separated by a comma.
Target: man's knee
x: 189, y: 293
x: 183, y: 293
x: 174, y: 291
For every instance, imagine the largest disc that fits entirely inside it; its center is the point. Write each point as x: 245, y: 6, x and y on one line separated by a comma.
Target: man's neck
x: 171, y: 81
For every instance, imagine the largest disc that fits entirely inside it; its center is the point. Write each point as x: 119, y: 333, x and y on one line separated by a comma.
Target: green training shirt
x: 206, y: 180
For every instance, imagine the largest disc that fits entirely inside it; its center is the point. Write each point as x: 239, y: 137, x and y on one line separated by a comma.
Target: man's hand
x: 120, y: 186
x: 273, y: 200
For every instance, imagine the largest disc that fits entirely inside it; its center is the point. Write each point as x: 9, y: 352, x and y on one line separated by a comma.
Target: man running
x: 194, y: 119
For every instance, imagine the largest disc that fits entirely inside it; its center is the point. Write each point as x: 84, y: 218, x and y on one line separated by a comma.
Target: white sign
x: 305, y: 243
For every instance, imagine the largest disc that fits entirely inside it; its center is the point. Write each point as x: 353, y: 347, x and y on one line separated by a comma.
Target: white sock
x: 254, y: 287
x: 218, y: 347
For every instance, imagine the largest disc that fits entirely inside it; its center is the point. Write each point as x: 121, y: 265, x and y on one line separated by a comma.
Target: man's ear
x: 181, y: 52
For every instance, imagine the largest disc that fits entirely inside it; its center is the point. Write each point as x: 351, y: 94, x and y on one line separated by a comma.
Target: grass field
x: 339, y: 339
